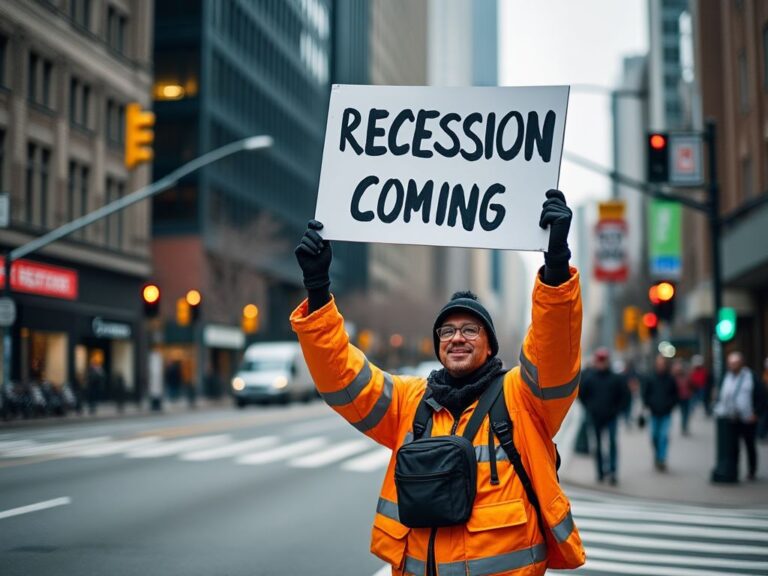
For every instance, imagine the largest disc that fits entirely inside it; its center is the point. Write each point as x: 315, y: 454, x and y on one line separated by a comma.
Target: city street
x: 280, y: 491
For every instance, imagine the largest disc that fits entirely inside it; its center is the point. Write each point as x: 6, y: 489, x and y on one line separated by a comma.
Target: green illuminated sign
x: 726, y: 324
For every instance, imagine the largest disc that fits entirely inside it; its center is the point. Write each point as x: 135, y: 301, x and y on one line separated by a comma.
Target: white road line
x: 644, y: 570
x: 621, y: 504
x: 369, y: 462
x: 177, y: 446
x: 590, y: 510
x: 673, y: 560
x: 679, y: 515
x: 282, y: 452
x: 229, y: 449
x: 36, y: 507
x: 385, y: 571
x: 634, y: 527
x: 53, y: 447
x: 332, y: 454
x: 728, y: 549
x: 13, y: 444
x: 116, y: 447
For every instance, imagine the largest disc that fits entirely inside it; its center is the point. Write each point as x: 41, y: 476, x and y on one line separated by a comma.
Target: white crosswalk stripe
x: 631, y: 538
x: 359, y: 455
x: 228, y: 450
x: 282, y: 452
x: 333, y: 454
x: 375, y: 460
x: 176, y: 446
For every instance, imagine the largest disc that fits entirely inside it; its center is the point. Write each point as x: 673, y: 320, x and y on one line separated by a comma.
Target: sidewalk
x: 691, y: 459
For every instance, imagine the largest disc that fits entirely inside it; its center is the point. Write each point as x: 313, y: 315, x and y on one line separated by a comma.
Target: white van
x: 272, y: 372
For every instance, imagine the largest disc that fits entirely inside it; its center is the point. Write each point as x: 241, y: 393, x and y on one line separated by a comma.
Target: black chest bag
x: 436, y: 477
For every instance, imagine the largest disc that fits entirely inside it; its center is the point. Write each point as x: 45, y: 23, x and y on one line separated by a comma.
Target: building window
x: 79, y: 103
x: 39, y: 80
x: 80, y: 12
x: 747, y: 181
x: 116, y: 28
x: 36, y: 187
x: 115, y: 123
x: 3, y: 60
x: 77, y: 192
x: 114, y: 223
x: 743, y: 82
x: 765, y: 58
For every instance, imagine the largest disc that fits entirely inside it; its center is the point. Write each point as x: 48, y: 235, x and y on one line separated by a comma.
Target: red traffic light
x: 658, y: 141
x: 650, y: 320
x: 151, y: 293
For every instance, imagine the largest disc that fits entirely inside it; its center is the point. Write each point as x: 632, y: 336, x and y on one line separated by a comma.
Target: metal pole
x: 714, y: 228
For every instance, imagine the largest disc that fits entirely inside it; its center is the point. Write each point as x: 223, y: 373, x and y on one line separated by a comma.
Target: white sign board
x: 686, y: 164
x: 465, y: 167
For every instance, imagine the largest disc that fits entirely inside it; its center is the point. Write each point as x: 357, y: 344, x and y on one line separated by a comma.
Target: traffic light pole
x: 168, y: 181
x: 710, y: 136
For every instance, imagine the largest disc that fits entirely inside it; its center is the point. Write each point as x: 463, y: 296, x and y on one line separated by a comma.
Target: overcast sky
x: 573, y: 42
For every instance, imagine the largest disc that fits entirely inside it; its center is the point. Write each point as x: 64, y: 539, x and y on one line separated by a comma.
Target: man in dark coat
x: 604, y: 395
x: 660, y: 397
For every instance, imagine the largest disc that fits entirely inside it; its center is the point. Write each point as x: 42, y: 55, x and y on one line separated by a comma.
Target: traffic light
x: 183, y: 312
x: 194, y: 300
x: 250, y: 320
x: 150, y: 295
x: 726, y: 324
x: 662, y: 297
x: 658, y: 157
x: 651, y: 322
x: 139, y: 135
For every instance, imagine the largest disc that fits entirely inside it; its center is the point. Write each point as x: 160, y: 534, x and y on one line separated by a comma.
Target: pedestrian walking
x: 701, y: 385
x: 684, y: 392
x: 604, y: 395
x: 660, y: 397
x: 95, y: 381
x: 463, y: 488
x: 740, y: 401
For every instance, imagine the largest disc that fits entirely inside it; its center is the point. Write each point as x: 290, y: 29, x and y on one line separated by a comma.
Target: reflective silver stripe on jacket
x: 379, y: 409
x: 388, y: 508
x: 483, y: 453
x: 482, y: 566
x: 530, y: 376
x: 564, y: 529
x: 351, y: 390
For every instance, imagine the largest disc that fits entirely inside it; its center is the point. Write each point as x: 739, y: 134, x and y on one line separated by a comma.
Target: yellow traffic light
x: 183, y: 312
x: 139, y: 135
x: 193, y: 297
x: 631, y: 318
x: 250, y: 320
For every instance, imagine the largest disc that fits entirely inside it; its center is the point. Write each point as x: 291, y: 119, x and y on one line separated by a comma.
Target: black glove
x: 314, y: 256
x: 556, y: 214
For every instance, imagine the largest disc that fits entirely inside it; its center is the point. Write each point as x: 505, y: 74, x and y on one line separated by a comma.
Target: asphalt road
x: 279, y: 491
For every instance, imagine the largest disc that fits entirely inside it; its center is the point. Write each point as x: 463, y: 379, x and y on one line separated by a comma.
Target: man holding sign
x: 471, y: 488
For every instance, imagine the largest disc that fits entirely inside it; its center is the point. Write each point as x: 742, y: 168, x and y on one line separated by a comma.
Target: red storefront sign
x: 610, y: 252
x: 41, y: 279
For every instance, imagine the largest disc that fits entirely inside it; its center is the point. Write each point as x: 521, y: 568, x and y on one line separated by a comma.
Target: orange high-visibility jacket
x: 502, y: 536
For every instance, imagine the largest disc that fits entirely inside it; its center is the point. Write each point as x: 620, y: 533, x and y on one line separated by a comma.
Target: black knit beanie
x: 466, y: 302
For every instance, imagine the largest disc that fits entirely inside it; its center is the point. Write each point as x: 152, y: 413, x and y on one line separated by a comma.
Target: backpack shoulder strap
x: 487, y: 398
x: 504, y: 429
x: 422, y: 417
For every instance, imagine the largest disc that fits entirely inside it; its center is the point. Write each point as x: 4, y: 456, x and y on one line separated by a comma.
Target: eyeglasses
x: 469, y: 331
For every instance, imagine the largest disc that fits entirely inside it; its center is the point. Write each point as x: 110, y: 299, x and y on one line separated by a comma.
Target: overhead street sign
x: 686, y: 160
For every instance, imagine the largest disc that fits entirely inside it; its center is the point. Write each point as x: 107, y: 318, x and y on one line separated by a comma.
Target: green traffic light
x: 726, y: 324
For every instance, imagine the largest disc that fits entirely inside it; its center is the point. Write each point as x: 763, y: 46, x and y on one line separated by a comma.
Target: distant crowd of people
x: 612, y: 392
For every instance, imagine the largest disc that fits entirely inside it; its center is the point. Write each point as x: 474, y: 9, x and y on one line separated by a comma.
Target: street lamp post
x: 166, y: 182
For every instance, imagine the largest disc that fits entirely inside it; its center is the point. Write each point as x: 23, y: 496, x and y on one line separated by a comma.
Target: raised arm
x: 364, y: 395
x: 550, y: 361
